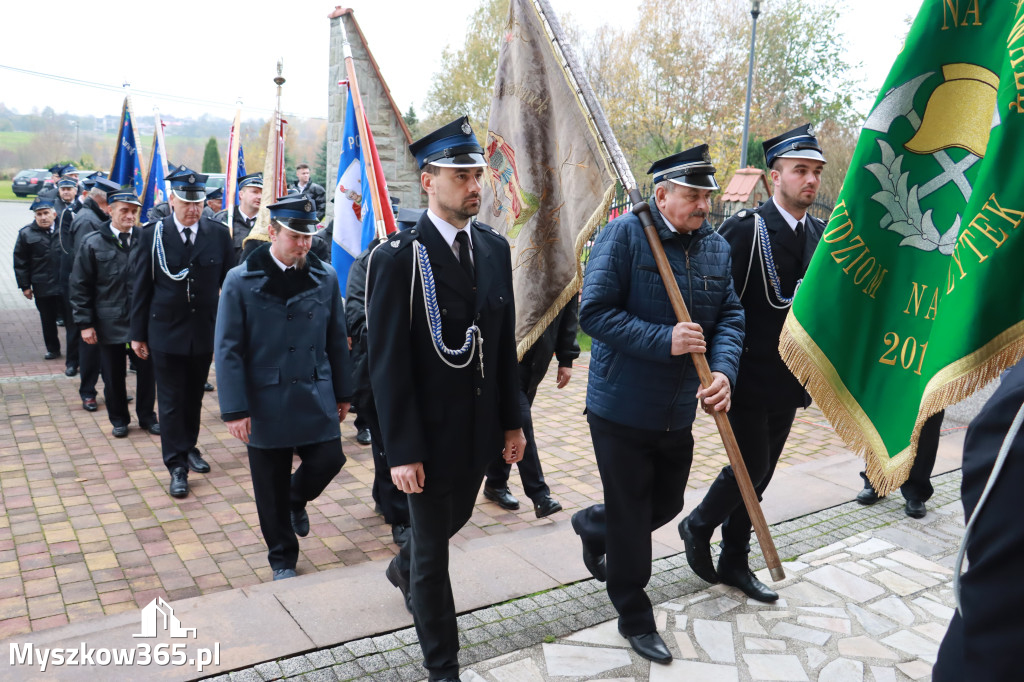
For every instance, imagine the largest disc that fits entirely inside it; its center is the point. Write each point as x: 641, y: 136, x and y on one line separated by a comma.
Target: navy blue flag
x: 127, y: 167
x: 156, y: 185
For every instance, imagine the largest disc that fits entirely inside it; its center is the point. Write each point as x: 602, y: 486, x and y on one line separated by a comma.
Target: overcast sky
x: 205, y: 63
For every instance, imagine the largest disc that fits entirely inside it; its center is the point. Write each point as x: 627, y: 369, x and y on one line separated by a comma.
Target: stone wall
x: 389, y: 131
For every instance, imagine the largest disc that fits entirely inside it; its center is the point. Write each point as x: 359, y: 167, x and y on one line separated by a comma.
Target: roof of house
x: 743, y: 184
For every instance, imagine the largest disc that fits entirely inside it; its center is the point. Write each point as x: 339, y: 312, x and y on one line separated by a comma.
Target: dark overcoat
x: 37, y: 260
x: 179, y: 316
x: 284, y: 362
x: 101, y: 285
x: 764, y: 380
x: 429, y: 412
x: 239, y: 230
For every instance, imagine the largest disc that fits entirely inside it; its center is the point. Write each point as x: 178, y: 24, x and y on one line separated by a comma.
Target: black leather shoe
x: 153, y: 428
x: 400, y: 581
x: 915, y: 509
x: 89, y: 404
x: 364, y: 437
x: 867, y: 496
x: 651, y: 646
x: 196, y: 462
x: 208, y: 387
x: 545, y: 506
x: 51, y: 355
x: 70, y: 371
x: 120, y: 432
x: 739, y: 575
x: 503, y: 496
x: 179, y: 482
x: 284, y: 573
x: 698, y: 553
x: 400, y: 533
x: 594, y: 562
x: 300, y: 522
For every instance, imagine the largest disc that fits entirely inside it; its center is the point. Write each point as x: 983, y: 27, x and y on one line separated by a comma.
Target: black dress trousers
x: 113, y: 357
x: 530, y: 472
x: 644, y: 475
x: 761, y: 435
x: 179, y: 390
x: 278, y: 491
x: 50, y: 308
x: 918, y: 486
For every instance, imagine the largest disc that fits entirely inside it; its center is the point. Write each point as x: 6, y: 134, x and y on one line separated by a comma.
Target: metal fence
x: 821, y: 208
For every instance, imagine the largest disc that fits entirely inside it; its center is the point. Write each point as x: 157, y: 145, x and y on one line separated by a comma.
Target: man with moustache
x: 177, y: 270
x: 771, y: 247
x: 285, y: 374
x: 37, y: 271
x: 446, y: 409
x: 100, y: 290
x: 643, y: 389
x: 250, y: 194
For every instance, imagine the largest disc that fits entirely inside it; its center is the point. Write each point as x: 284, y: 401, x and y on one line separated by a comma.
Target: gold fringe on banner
x: 948, y: 387
x: 597, y: 218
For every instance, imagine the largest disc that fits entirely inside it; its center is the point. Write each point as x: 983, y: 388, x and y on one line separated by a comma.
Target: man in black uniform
x: 243, y: 217
x: 37, y: 271
x: 100, y: 289
x: 303, y: 185
x: 66, y: 206
x: 49, y: 189
x: 214, y: 202
x: 559, y: 339
x: 177, y: 271
x: 771, y: 247
x: 983, y: 640
x: 446, y: 409
x: 92, y: 216
x: 285, y: 374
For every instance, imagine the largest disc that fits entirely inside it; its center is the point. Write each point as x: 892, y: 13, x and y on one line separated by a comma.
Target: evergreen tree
x: 320, y: 170
x: 211, y: 157
x: 412, y: 121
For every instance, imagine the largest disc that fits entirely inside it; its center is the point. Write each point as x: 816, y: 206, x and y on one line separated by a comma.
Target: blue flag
x: 241, y: 169
x: 156, y: 185
x: 127, y: 168
x: 353, y: 218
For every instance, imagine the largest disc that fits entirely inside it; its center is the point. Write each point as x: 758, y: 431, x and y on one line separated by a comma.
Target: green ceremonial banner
x: 915, y: 296
x: 550, y: 184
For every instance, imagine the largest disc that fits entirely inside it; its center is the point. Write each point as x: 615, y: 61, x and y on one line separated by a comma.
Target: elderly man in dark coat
x: 643, y: 390
x: 37, y: 270
x: 100, y: 291
x: 285, y: 374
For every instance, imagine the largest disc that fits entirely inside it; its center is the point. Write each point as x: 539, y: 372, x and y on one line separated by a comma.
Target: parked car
x: 216, y: 180
x: 29, y: 181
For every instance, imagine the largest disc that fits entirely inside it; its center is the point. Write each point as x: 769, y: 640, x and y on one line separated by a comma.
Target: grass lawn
x: 583, y: 340
x: 6, y: 193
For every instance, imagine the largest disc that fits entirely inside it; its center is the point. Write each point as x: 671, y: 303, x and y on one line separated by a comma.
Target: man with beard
x: 250, y: 193
x: 285, y: 374
x: 37, y: 271
x: 177, y: 272
x: 771, y: 247
x: 100, y: 287
x: 445, y: 409
x: 643, y: 390
x: 303, y: 185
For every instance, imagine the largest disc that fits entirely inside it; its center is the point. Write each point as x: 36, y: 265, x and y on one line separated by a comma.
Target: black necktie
x: 187, y: 232
x: 123, y: 238
x: 464, y: 255
x: 799, y: 232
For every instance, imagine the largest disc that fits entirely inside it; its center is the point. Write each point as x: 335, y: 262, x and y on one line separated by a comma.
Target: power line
x: 180, y: 99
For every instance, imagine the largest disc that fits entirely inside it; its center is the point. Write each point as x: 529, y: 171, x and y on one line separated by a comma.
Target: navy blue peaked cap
x: 297, y: 213
x: 450, y: 145
x: 798, y: 143
x: 251, y: 180
x: 126, y: 194
x: 188, y: 185
x: 215, y: 193
x: 690, y: 168
x: 40, y: 204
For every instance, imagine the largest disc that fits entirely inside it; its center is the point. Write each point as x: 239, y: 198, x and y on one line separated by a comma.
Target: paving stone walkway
x: 867, y: 598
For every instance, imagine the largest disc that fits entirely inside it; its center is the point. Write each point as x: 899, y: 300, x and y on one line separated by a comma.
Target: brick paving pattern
x: 87, y: 527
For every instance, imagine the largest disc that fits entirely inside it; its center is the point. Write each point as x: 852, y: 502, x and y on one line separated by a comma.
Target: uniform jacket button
x: 311, y: 315
x: 289, y: 316
x: 478, y: 391
x: 291, y: 349
x: 444, y: 311
x: 295, y: 381
x: 312, y: 347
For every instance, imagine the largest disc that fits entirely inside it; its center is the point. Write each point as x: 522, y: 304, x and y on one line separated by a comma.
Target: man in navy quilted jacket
x: 643, y: 389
